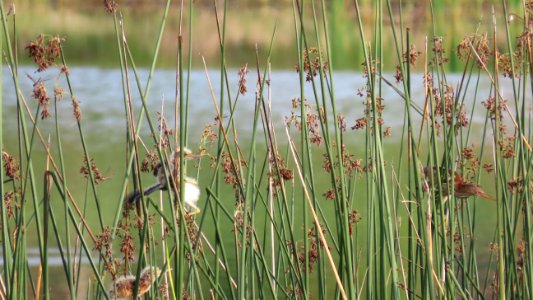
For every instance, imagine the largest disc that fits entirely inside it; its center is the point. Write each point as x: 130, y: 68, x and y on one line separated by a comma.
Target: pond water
x: 100, y: 94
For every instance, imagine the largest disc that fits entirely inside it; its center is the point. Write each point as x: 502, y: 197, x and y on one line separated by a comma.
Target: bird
x: 192, y: 189
x: 461, y: 189
x: 123, y: 287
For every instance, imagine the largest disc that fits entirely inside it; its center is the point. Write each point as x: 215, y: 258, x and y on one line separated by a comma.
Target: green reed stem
x: 69, y: 266
x: 22, y: 140
x: 220, y: 141
x: 84, y: 144
x: 6, y: 244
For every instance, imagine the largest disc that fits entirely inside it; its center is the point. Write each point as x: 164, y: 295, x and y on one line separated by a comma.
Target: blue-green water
x: 100, y: 94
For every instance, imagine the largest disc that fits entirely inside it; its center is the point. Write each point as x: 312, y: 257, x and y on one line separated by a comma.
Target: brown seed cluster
x: 110, y: 6
x: 330, y: 194
x: 98, y: 176
x: 163, y: 291
x: 523, y: 47
x: 76, y: 108
x: 104, y: 245
x: 150, y: 161
x: 398, y: 76
x: 373, y: 68
x: 521, y: 248
x: 510, y: 68
x: 285, y: 174
x: 11, y: 204
x: 494, y: 285
x: 507, y: 146
x: 493, y: 247
x: 127, y: 247
x: 166, y: 131
x: 209, y: 134
x: 351, y: 164
x: 193, y: 231
x: 186, y: 296
x: 341, y: 121
x: 521, y: 251
x: 44, y: 51
x: 242, y: 79
x: 40, y: 94
x: 494, y: 110
x: 387, y: 132
x: 467, y: 152
x: 457, y: 241
x: 488, y: 167
x: 369, y: 114
x: 294, y: 117
x: 360, y: 123
x: 313, y: 125
x: 231, y: 177
x: 470, y: 162
x: 353, y: 218
x: 314, y: 116
x: 481, y: 46
x: 58, y: 93
x: 294, y: 291
x: 64, y: 70
x: 447, y: 109
x: 313, y: 250
x: 515, y: 185
x: 440, y: 54
x: 11, y: 167
x: 238, y: 224
x: 411, y: 55
x: 313, y: 63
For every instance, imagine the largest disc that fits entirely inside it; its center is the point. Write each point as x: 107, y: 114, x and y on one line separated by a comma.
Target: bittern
x: 192, y: 190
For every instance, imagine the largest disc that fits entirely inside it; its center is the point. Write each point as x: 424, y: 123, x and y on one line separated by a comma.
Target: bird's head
x: 187, y: 154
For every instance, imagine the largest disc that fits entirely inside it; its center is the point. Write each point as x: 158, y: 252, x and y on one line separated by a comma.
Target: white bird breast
x: 192, y: 192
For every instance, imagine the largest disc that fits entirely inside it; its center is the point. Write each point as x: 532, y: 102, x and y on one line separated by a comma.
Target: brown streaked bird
x: 192, y: 190
x: 429, y: 175
x: 122, y: 288
x: 461, y: 189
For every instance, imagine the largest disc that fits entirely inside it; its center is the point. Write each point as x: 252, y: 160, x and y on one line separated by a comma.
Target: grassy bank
x: 91, y: 36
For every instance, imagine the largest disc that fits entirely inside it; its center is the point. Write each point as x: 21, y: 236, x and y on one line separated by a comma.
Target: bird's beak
x: 187, y: 154
x: 193, y: 156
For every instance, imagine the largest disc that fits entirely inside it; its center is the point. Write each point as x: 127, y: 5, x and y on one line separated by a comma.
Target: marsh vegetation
x: 407, y: 176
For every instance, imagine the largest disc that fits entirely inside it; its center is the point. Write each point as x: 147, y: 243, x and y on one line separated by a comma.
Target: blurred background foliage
x: 89, y: 32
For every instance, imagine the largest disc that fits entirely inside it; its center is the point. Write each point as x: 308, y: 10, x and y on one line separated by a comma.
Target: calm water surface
x: 100, y: 94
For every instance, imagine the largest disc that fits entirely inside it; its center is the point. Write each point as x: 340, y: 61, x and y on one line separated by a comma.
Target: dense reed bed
x: 319, y: 207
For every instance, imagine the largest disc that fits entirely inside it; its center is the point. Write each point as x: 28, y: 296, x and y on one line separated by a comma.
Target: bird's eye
x: 156, y: 169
